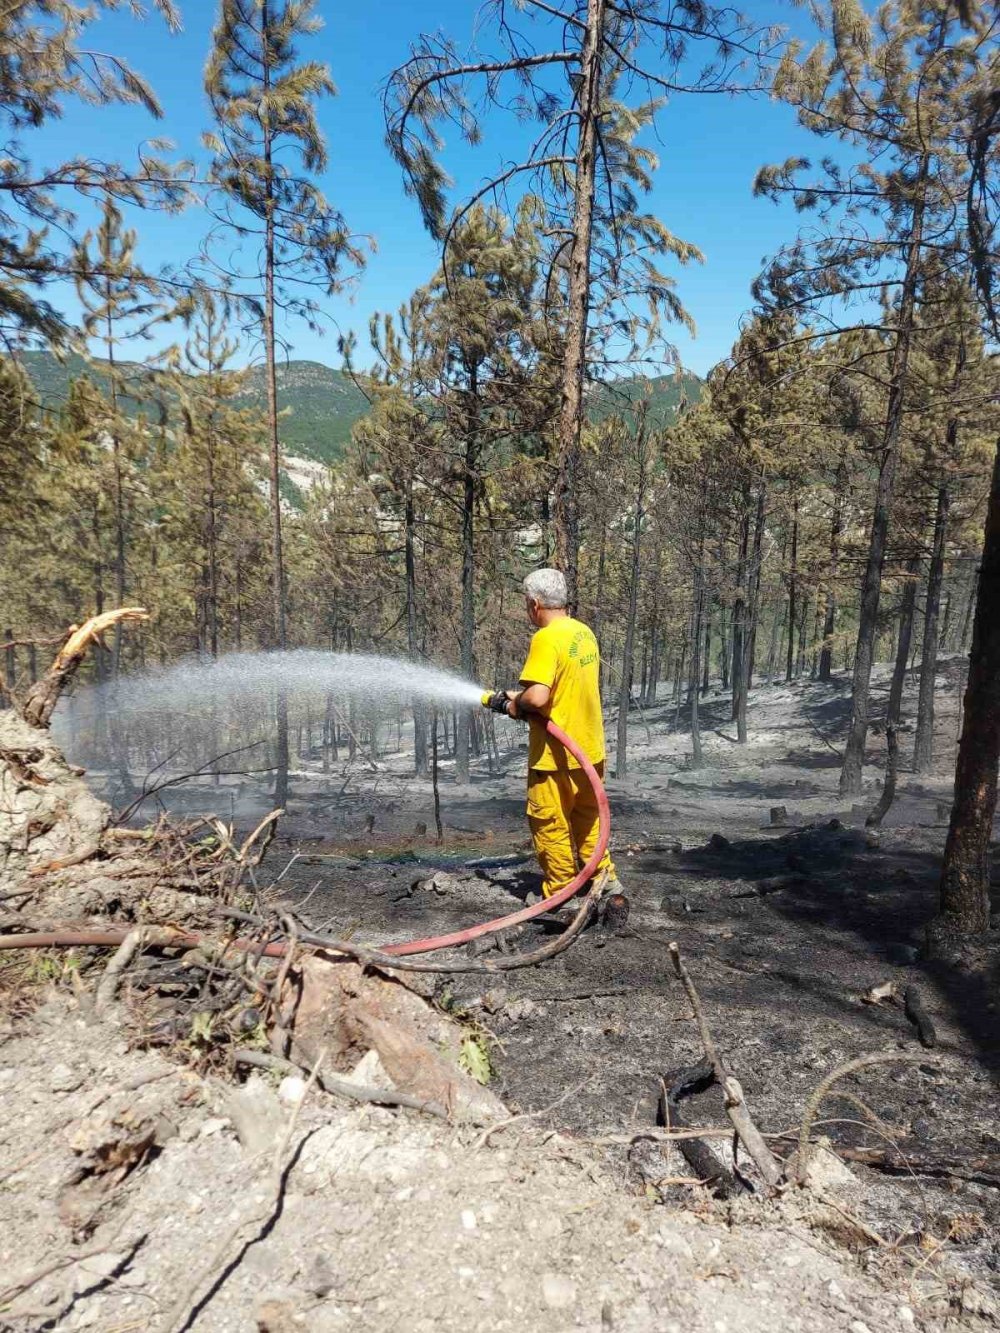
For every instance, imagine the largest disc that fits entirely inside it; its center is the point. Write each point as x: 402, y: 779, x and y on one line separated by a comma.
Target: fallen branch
x: 133, y: 943
x: 482, y: 1139
x: 81, y: 939
x: 51, y: 1266
x: 658, y: 1136
x: 268, y: 827
x: 823, y: 1090
x: 342, y: 1087
x: 736, y: 1108
x: 74, y: 858
x: 202, y: 770
x: 977, y: 1170
x: 829, y: 744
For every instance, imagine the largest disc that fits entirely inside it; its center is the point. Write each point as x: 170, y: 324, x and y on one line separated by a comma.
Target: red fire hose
x: 547, y: 904
x: 277, y: 949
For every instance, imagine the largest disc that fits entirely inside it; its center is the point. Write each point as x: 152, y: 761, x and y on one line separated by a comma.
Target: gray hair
x: 547, y: 587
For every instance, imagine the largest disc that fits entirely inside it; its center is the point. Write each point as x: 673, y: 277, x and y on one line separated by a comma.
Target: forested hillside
x: 318, y: 405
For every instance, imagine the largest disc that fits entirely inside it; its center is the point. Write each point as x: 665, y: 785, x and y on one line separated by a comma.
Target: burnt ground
x: 783, y: 930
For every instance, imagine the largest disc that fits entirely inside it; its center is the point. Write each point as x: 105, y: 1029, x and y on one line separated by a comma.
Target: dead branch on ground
x: 976, y: 1170
x: 342, y: 1087
x: 133, y: 943
x: 736, y: 1107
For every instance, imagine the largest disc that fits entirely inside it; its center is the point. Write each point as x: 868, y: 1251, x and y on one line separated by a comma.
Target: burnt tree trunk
x: 468, y: 623
x: 588, y: 111
x: 923, y: 750
x: 871, y: 587
x: 904, y: 635
x: 965, y: 874
x: 280, y: 634
x: 740, y: 628
x: 792, y: 576
x: 830, y: 609
x: 412, y: 640
x: 628, y: 649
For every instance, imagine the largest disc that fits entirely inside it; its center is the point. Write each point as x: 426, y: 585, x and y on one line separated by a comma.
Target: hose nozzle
x: 495, y: 701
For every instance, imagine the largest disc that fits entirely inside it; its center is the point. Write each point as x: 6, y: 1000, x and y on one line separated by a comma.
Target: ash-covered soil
x: 784, y: 930
x: 138, y: 1187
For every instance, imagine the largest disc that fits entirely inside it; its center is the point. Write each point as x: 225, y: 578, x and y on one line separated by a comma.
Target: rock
x: 675, y: 904
x: 494, y: 999
x: 558, y: 1292
x: 520, y: 1009
x: 440, y: 883
x: 320, y: 1278
x: 276, y: 1316
x: 718, y: 843
x: 778, y: 816
x: 256, y: 1115
x: 64, y: 1079
x: 369, y: 1072
x: 469, y: 1222
x: 213, y: 1126
x: 825, y: 1171
x: 835, y: 825
x: 248, y: 1019
x: 420, y: 829
x: 291, y: 1090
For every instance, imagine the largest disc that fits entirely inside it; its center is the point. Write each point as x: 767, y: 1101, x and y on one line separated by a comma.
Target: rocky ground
x: 148, y: 1160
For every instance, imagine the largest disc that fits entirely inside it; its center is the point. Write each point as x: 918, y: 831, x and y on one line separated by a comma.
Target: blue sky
x: 709, y: 149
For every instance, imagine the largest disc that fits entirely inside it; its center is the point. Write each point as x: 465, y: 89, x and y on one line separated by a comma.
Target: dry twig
x: 342, y: 1087
x: 736, y: 1108
x: 133, y: 943
x: 852, y: 1067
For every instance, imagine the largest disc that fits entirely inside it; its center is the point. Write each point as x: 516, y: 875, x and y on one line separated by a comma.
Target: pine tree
x: 893, y: 88
x: 120, y: 304
x: 584, y: 169
x: 267, y: 150
x: 965, y: 872
x: 45, y: 65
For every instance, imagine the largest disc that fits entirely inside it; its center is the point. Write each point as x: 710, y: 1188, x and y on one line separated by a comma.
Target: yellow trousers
x: 562, y: 813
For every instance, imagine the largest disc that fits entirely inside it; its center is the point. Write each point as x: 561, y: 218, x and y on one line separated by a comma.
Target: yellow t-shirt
x: 564, y: 655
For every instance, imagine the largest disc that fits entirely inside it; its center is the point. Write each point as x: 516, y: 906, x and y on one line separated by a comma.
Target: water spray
x: 245, y: 680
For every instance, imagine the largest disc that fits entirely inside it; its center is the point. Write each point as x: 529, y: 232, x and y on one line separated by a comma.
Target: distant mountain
x: 320, y: 405
x: 666, y: 393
